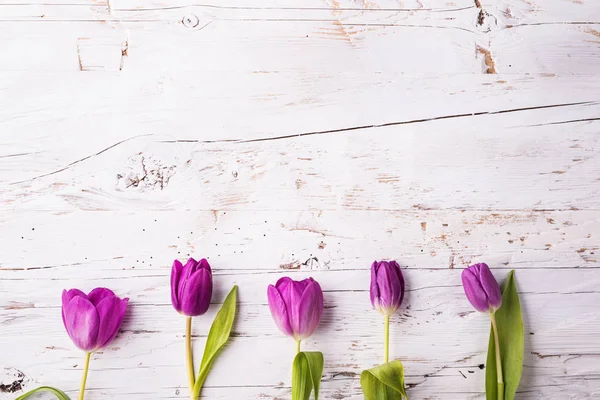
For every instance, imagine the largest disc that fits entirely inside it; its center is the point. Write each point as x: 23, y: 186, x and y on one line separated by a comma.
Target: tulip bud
x: 481, y: 288
x: 92, y: 321
x: 296, y: 306
x: 387, y: 286
x: 191, y: 287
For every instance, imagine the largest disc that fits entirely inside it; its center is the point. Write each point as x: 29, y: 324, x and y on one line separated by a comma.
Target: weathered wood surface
x: 302, y: 138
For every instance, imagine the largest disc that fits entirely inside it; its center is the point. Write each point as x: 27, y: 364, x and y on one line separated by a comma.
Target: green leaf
x: 217, y: 337
x: 510, y: 333
x: 58, y: 393
x: 385, y: 382
x: 306, y: 374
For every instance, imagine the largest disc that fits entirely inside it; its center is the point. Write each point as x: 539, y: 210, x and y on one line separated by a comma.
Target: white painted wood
x: 304, y: 139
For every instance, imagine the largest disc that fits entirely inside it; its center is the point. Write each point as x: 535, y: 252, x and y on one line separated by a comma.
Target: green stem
x: 188, y: 353
x: 85, y: 373
x: 298, y: 346
x: 498, y: 360
x: 386, y: 329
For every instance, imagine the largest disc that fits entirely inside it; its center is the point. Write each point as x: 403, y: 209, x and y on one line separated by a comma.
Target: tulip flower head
x: 93, y: 320
x: 296, y: 306
x: 191, y: 287
x: 387, y: 286
x: 481, y: 288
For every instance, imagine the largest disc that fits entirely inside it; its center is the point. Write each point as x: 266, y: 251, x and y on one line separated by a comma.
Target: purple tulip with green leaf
x: 505, y: 348
x: 191, y: 293
x: 483, y: 292
x: 387, y: 293
x: 297, y: 308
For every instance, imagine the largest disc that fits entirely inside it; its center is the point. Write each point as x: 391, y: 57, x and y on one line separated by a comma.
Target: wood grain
x: 304, y: 139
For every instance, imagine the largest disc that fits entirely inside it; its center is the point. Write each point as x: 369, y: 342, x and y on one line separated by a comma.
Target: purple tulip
x: 387, y: 286
x: 191, y: 287
x: 481, y: 288
x: 92, y: 321
x: 296, y: 306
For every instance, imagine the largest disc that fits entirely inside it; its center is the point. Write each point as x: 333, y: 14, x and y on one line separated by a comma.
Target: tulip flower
x: 191, y: 291
x: 92, y: 321
x: 296, y: 307
x: 387, y: 293
x: 483, y: 292
x: 387, y: 286
x: 191, y: 287
x: 481, y: 288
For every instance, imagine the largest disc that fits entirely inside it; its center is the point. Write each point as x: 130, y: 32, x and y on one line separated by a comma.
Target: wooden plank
x: 464, y: 39
x: 135, y: 150
x: 284, y: 241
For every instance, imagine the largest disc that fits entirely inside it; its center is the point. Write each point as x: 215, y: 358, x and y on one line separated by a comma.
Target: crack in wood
x: 388, y: 124
x: 350, y: 25
x: 415, y: 121
x: 80, y: 160
x: 79, y: 57
x: 571, y: 121
x: 553, y: 23
x: 325, y: 9
x: 19, y: 154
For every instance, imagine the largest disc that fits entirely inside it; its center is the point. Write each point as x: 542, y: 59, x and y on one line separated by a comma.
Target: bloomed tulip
x: 296, y: 306
x: 93, y: 320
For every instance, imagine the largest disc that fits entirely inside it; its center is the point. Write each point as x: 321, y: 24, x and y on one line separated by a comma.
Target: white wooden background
x: 301, y: 138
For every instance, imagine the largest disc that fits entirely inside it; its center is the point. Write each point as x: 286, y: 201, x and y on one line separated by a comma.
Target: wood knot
x: 190, y: 21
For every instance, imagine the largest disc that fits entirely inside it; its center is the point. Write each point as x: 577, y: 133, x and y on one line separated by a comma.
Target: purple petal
x: 396, y: 268
x: 185, y: 275
x: 310, y: 310
x: 390, y: 289
x: 189, y: 268
x: 303, y: 284
x: 473, y: 290
x: 490, y: 286
x: 111, y: 311
x: 98, y: 294
x: 279, y: 310
x: 203, y: 264
x: 374, y: 290
x: 283, y: 283
x: 296, y: 292
x: 284, y: 287
x: 195, y: 298
x: 175, y: 277
x: 82, y: 322
x: 66, y: 298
